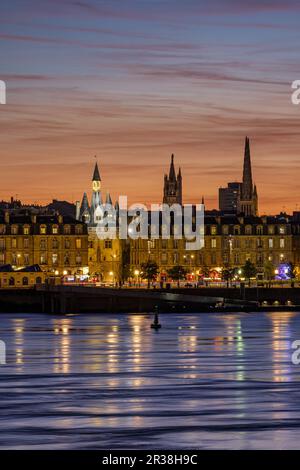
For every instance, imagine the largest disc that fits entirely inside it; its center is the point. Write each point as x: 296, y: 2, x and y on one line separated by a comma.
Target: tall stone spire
x: 247, y: 186
x: 248, y: 199
x: 172, y: 176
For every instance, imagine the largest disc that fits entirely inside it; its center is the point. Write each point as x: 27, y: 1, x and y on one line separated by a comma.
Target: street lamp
x: 114, y: 260
x: 137, y: 273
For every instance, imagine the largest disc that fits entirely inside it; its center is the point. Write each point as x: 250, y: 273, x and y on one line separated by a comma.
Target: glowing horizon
x: 134, y: 82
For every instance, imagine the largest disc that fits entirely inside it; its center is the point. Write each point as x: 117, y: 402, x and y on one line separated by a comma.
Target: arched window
x: 11, y: 281
x: 25, y: 281
x: 38, y: 280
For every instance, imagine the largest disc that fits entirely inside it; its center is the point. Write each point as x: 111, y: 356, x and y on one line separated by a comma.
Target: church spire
x: 247, y: 172
x: 96, y: 175
x: 108, y: 199
x: 96, y: 180
x: 247, y: 199
x: 172, y: 175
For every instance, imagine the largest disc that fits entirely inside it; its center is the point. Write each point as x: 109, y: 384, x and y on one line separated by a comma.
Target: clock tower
x: 96, y: 181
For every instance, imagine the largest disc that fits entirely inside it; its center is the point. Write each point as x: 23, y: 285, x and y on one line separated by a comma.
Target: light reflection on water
x: 110, y: 381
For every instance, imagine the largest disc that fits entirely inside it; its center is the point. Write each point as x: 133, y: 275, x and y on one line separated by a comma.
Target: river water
x: 109, y: 381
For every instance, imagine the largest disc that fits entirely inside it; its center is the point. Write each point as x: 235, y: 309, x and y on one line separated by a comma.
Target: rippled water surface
x: 109, y: 381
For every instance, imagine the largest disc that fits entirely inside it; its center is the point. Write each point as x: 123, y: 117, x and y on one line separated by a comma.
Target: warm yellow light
x: 65, y: 273
x: 56, y: 273
x: 18, y: 255
x: 111, y: 273
x: 136, y: 272
x: 192, y: 256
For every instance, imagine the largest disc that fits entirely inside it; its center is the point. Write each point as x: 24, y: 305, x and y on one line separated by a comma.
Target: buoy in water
x: 156, y: 325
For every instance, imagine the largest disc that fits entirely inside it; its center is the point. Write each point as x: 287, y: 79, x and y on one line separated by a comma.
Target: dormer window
x: 282, y: 230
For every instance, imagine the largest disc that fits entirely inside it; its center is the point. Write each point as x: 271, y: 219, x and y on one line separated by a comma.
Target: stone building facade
x: 59, y: 245
x: 229, y: 242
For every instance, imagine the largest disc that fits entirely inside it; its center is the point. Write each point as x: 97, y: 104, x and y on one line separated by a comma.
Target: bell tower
x: 96, y: 180
x: 173, y: 186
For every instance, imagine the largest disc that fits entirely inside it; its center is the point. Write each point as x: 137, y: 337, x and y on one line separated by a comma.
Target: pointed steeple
x: 84, y: 203
x: 179, y: 173
x: 247, y: 172
x: 202, y: 200
x: 96, y: 175
x: 172, y: 175
x: 108, y: 199
x: 247, y: 203
x: 84, y: 212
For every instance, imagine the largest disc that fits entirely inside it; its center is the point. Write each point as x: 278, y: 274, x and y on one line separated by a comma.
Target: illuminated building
x: 59, y: 245
x: 105, y: 256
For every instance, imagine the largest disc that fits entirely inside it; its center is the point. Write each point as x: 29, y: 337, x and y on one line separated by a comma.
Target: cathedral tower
x: 173, y: 186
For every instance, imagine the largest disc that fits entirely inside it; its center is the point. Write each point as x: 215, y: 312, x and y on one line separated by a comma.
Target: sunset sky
x: 133, y: 81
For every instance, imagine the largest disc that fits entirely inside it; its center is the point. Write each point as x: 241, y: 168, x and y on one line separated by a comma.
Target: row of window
x: 43, y: 243
x: 226, y: 242
x: 249, y: 230
x: 18, y: 260
x: 25, y: 229
x: 25, y: 281
x: 247, y: 243
x: 211, y: 259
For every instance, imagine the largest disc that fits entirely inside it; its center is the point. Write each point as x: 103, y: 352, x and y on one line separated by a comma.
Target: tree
x: 126, y: 273
x: 149, y: 271
x: 249, y: 270
x: 292, y: 273
x: 269, y: 271
x: 177, y: 273
x: 227, y: 275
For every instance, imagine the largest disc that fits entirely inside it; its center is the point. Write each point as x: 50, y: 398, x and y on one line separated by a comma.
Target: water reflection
x: 205, y: 378
x: 281, y: 341
x: 62, y: 352
x: 18, y: 328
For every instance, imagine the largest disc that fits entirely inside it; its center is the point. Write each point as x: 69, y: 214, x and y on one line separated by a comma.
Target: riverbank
x: 81, y: 299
